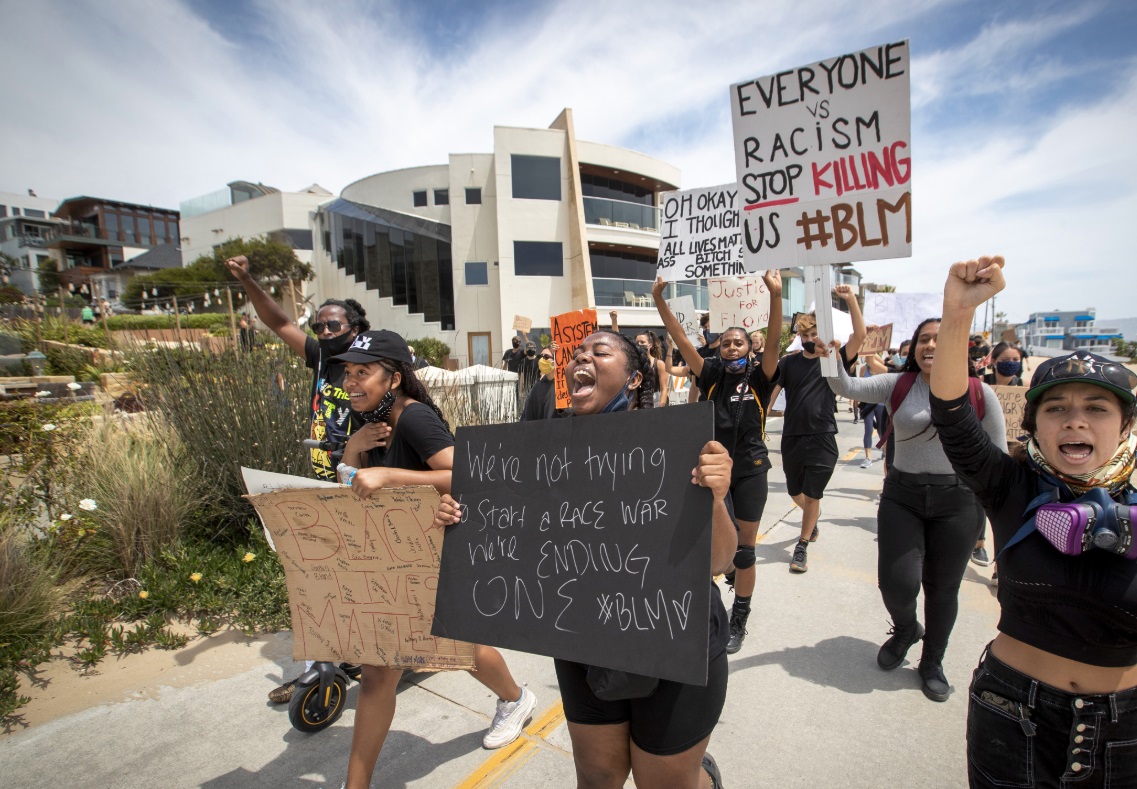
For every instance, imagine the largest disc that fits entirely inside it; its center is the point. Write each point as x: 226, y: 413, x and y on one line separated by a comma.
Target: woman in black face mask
x: 1008, y: 363
x: 337, y: 324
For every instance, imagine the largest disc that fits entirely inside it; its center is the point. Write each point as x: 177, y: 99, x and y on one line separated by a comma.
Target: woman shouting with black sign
x: 656, y: 729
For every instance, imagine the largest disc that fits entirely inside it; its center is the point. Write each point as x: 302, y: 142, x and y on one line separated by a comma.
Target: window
x: 536, y: 177
x: 4, y: 209
x: 128, y: 228
x: 420, y: 199
x: 538, y: 259
x: 477, y: 273
x: 15, y: 211
x: 473, y: 196
x: 442, y: 197
x: 34, y: 213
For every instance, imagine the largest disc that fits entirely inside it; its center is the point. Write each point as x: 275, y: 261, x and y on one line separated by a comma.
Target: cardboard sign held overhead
x: 878, y: 339
x: 521, y: 323
x: 683, y: 308
x: 823, y: 160
x: 584, y: 539
x: 699, y: 237
x: 362, y: 575
x: 1009, y: 336
x: 569, y: 330
x: 739, y: 301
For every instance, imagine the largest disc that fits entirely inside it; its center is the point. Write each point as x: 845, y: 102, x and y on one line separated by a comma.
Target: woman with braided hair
x: 406, y: 441
x: 652, y: 345
x: 740, y: 389
x: 660, y: 735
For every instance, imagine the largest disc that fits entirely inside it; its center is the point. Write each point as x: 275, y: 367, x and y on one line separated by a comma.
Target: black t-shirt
x: 513, y: 359
x: 528, y: 371
x: 749, y: 451
x: 809, y: 400
x: 419, y: 435
x: 541, y: 402
x: 332, y: 417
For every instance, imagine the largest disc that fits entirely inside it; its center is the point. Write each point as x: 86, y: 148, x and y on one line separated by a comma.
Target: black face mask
x: 809, y: 346
x: 381, y: 413
x: 336, y: 345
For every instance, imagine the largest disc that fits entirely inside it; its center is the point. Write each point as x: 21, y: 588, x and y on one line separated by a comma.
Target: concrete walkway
x: 807, y: 705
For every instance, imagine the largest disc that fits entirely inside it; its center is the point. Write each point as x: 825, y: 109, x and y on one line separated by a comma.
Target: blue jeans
x: 1022, y: 733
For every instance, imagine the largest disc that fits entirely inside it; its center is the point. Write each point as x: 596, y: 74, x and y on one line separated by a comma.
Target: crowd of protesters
x: 1055, y: 696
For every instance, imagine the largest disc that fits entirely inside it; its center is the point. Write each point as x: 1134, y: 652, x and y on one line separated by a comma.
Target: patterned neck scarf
x: 1114, y: 475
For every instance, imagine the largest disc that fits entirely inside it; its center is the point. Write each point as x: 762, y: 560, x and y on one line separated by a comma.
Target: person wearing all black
x: 1053, y: 702
x: 809, y: 443
x: 542, y: 400
x: 672, y: 726
x: 511, y: 359
x: 406, y: 441
x: 740, y: 389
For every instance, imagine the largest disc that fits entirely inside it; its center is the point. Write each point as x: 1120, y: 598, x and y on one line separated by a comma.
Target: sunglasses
x: 332, y: 326
x: 1117, y: 374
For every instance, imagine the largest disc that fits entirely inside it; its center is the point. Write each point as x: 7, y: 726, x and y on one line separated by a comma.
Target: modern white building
x: 24, y: 223
x: 1057, y: 332
x: 542, y: 225
x: 247, y: 210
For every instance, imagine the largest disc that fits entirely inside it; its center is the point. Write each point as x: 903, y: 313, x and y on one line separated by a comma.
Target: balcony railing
x: 637, y: 293
x: 619, y: 214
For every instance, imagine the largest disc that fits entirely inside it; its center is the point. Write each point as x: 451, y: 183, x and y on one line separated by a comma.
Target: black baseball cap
x: 371, y: 346
x: 1083, y: 367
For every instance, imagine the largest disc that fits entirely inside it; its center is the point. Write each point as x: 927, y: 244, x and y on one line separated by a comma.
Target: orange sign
x: 569, y: 331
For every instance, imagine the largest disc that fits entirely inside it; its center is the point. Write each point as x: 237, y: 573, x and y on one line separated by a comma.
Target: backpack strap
x: 903, y: 386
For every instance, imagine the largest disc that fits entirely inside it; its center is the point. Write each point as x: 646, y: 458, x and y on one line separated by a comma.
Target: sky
x: 1023, y: 111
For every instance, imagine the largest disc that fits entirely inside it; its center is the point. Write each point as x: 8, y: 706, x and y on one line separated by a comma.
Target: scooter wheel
x: 309, y: 713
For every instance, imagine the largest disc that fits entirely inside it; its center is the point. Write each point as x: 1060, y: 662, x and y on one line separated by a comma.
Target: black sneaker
x: 979, y: 556
x: 798, y: 564
x: 895, y: 649
x: 935, y: 685
x: 737, y: 631
x: 713, y: 771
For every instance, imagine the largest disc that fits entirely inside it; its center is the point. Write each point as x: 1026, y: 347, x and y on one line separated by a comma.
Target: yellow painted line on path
x: 852, y: 453
x: 512, y: 757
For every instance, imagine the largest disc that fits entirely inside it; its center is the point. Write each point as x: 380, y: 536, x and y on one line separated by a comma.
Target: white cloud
x: 148, y: 102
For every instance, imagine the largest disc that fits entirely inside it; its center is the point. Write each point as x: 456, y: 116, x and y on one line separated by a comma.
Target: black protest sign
x: 584, y: 539
x: 823, y: 158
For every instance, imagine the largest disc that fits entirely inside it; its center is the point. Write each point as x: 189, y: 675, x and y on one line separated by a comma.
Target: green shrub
x: 201, y: 320
x: 55, y: 328
x: 434, y: 351
x: 144, y: 493
x: 229, y: 411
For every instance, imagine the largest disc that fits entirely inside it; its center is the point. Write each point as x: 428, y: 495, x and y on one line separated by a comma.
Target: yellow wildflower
x: 143, y: 594
x: 249, y: 557
x: 195, y: 577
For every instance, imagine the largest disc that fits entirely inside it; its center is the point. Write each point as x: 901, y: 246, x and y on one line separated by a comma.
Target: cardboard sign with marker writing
x: 878, y: 339
x: 521, y: 323
x: 1010, y: 336
x: 569, y: 330
x: 683, y: 308
x: 739, y: 301
x: 362, y: 575
x: 699, y: 236
x: 584, y: 539
x: 1013, y: 401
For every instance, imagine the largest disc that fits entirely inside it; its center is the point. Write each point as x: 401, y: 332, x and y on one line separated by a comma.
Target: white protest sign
x: 698, y: 234
x: 823, y: 157
x: 841, y: 323
x: 739, y: 301
x: 904, y: 311
x: 683, y: 308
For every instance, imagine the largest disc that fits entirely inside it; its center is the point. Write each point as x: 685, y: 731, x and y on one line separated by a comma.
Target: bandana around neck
x: 1114, y: 475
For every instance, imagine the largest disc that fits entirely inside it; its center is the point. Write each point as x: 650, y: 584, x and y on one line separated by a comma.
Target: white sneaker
x: 866, y: 463
x: 509, y: 720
